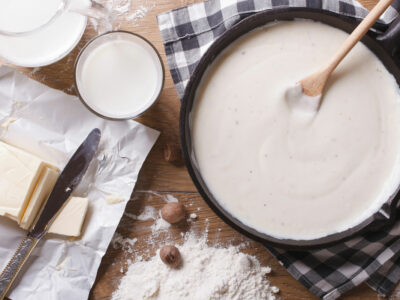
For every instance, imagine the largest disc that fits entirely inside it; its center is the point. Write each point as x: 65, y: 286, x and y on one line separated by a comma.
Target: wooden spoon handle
x: 358, y: 33
x: 314, y: 84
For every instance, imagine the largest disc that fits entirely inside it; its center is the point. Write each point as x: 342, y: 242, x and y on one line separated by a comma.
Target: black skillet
x: 385, y: 48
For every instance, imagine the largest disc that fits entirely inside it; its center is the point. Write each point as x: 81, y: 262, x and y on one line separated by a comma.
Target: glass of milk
x: 119, y: 75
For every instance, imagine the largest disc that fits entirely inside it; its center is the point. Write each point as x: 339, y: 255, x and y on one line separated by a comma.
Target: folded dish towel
x: 328, y: 272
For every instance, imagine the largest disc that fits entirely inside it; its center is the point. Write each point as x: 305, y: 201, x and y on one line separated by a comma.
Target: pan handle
x: 391, y: 38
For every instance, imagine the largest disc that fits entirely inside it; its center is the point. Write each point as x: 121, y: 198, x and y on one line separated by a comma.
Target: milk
x: 45, y: 45
x: 119, y: 75
x: 18, y: 16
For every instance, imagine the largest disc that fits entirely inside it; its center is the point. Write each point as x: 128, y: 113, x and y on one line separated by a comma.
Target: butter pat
x: 41, y: 193
x: 113, y: 199
x: 19, y: 175
x: 26, y: 182
x: 70, y: 220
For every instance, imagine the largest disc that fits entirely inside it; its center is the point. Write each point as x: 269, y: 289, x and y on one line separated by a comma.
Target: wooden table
x: 164, y: 178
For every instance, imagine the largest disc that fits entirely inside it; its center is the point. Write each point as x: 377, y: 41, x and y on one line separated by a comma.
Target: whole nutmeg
x: 170, y: 256
x: 173, y: 212
x: 173, y: 154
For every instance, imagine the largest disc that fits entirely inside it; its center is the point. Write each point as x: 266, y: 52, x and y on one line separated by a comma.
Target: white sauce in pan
x: 283, y: 172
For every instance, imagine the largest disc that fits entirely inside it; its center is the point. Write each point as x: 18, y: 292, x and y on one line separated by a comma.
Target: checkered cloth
x: 328, y: 272
x: 188, y: 31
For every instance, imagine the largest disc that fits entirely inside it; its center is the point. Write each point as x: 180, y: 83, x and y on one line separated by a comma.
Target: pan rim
x: 376, y: 220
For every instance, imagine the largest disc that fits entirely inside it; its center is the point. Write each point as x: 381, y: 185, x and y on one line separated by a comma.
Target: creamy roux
x: 283, y: 172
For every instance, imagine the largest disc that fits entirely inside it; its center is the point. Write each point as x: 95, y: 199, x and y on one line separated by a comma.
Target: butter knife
x: 66, y: 183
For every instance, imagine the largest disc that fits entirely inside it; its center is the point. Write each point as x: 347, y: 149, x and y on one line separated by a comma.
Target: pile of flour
x: 208, y: 273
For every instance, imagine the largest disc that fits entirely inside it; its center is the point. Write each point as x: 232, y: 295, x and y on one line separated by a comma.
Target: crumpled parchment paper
x: 52, y: 124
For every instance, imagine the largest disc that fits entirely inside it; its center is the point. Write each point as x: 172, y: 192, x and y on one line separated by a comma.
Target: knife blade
x: 66, y: 183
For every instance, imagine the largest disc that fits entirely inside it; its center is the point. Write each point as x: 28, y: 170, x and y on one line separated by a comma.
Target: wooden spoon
x: 314, y: 84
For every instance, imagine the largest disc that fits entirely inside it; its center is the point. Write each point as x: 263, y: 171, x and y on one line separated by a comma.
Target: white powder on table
x: 126, y: 244
x: 118, y: 11
x: 207, y: 273
x: 149, y: 213
x: 170, y: 198
x: 160, y: 225
x: 139, y: 13
x: 167, y: 198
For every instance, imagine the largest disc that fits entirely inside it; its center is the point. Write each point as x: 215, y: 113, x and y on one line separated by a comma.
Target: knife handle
x: 13, y: 267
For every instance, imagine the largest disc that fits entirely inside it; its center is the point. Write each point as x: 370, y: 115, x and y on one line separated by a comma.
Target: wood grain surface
x: 164, y: 178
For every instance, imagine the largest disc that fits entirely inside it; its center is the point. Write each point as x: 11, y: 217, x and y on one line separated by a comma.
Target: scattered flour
x: 149, y: 213
x: 193, y: 216
x: 160, y: 225
x: 118, y: 11
x: 126, y: 244
x: 275, y: 289
x: 129, y: 215
x: 169, y: 198
x: 207, y: 273
x: 120, y: 6
x: 140, y: 13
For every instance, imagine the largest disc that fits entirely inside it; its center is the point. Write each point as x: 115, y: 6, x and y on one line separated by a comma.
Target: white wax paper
x: 52, y: 124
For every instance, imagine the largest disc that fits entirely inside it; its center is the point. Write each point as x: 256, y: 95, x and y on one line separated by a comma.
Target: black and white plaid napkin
x: 328, y: 272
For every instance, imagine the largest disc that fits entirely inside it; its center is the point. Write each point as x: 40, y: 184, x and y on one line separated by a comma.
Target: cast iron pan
x: 385, y: 48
